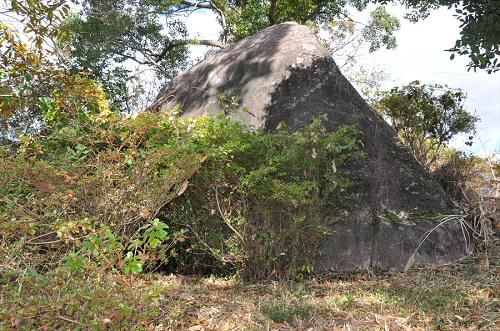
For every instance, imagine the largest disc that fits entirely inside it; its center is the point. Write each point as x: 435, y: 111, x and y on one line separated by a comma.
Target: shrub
x: 472, y: 182
x: 426, y: 117
x: 155, y: 190
x: 261, y: 202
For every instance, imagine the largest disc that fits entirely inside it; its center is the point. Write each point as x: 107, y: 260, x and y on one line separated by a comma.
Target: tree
x: 35, y: 91
x: 347, y: 40
x: 108, y: 38
x: 426, y: 117
x: 152, y: 32
x: 38, y: 18
x: 480, y: 35
x: 115, y: 42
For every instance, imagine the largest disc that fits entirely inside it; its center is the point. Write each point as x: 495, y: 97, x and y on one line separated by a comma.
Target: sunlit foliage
x: 426, y: 117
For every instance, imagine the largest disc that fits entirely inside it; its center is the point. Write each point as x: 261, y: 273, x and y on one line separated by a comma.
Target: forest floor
x: 455, y: 297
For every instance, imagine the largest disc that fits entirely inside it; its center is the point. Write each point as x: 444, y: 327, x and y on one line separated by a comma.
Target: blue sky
x: 420, y: 55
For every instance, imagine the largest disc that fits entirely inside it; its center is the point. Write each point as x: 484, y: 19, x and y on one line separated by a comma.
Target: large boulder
x: 284, y: 74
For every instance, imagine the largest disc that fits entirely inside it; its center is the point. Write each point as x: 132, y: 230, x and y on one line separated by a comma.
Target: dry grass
x: 454, y: 297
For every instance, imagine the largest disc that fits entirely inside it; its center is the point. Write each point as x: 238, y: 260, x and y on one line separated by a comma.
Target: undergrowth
x: 453, y: 297
x: 154, y: 191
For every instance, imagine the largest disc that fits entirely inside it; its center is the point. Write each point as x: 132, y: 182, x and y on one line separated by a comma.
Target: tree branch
x: 272, y: 12
x: 241, y: 4
x: 175, y: 43
x: 222, y: 16
x: 133, y: 58
x: 199, y: 4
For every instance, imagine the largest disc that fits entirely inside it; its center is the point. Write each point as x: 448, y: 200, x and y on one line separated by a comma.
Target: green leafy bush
x: 156, y: 191
x: 262, y: 200
x: 426, y: 117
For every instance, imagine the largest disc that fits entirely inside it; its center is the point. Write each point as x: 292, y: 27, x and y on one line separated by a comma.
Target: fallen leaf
x: 106, y: 321
x: 182, y: 188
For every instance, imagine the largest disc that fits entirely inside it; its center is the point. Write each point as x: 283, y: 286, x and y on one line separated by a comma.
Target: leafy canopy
x: 107, y: 38
x: 153, y: 32
x: 35, y: 91
x: 426, y: 117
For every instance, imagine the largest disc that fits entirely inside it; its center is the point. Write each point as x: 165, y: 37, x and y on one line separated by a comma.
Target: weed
x: 281, y: 312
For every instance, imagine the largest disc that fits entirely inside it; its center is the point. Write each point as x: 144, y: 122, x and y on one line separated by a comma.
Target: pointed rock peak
x: 284, y: 74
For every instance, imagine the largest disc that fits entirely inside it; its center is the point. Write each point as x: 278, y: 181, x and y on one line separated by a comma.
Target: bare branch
x: 222, y: 16
x: 272, y: 12
x: 175, y: 43
x: 133, y: 58
x: 222, y: 214
x: 199, y: 4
